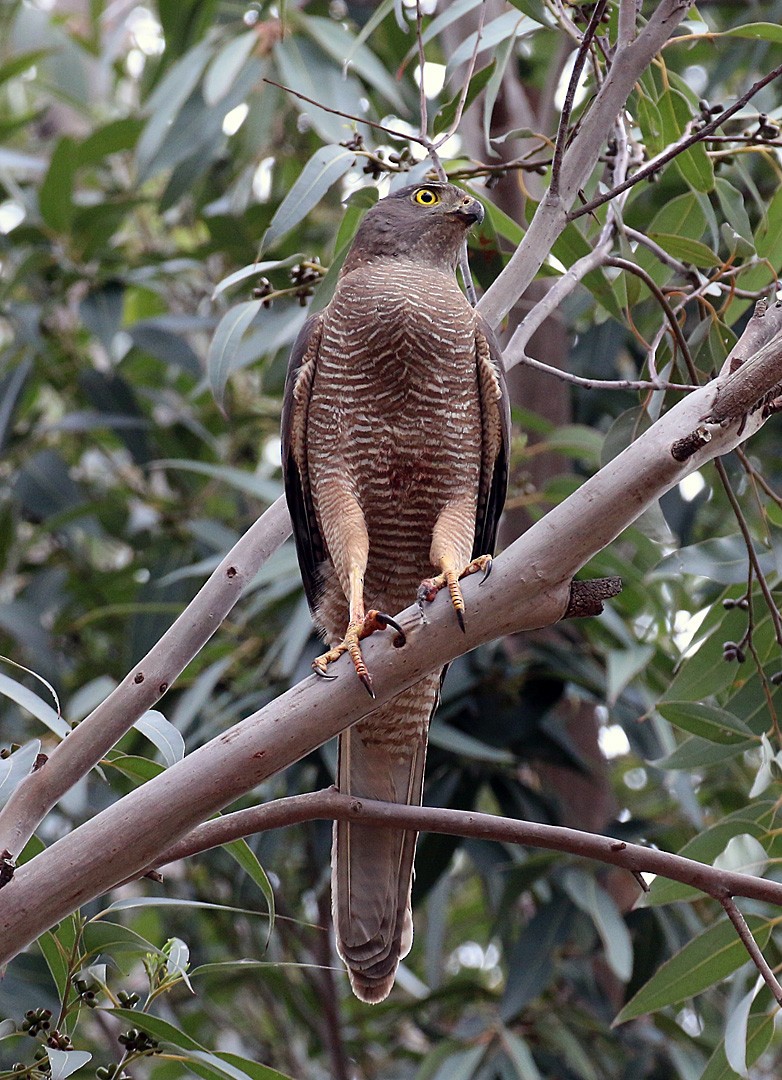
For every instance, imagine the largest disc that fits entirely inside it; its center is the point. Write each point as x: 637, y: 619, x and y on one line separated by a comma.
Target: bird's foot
x: 430, y: 587
x: 356, y: 631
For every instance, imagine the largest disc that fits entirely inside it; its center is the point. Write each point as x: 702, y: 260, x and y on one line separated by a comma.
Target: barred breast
x: 395, y: 409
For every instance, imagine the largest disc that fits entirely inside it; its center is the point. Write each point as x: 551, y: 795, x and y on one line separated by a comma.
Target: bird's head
x: 425, y: 223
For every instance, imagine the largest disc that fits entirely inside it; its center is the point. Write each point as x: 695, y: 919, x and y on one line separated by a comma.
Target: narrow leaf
x: 323, y: 169
x: 704, y: 961
x: 163, y: 735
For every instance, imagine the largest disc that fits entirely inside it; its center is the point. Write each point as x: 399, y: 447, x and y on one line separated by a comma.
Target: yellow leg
x: 449, y: 578
x: 361, y: 625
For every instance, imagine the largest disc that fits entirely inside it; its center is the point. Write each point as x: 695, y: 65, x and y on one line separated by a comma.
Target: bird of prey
x: 395, y: 448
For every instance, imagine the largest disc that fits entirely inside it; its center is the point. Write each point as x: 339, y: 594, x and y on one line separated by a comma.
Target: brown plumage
x: 395, y: 440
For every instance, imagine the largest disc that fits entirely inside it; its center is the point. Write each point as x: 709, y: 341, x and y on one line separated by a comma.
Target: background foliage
x: 143, y: 160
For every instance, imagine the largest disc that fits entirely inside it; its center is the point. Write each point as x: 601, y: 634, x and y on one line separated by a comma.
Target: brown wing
x: 495, y: 415
x: 310, y: 547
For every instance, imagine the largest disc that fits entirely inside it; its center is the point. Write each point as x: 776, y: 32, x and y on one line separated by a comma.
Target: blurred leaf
x: 587, y: 895
x: 226, y: 65
x: 510, y: 23
x: 340, y: 44
x: 447, y: 114
x: 707, y: 959
x: 695, y: 753
x: 531, y: 965
x: 166, y: 101
x: 265, y: 490
x: 55, y: 197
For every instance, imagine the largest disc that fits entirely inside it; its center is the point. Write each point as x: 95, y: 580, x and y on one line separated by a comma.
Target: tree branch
x: 529, y: 587
x: 551, y: 217
x: 145, y: 684
x: 332, y: 805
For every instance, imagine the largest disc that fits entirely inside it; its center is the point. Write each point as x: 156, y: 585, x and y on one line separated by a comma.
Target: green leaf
x: 761, y: 31
x: 694, y: 163
x: 224, y: 347
x: 757, y: 820
x: 704, y: 961
x: 241, y: 851
x: 686, y: 249
x: 760, y: 1031
x: 251, y: 270
x: 768, y: 239
x: 55, y: 197
x: 732, y: 205
x: 695, y: 753
x: 706, y: 721
x: 323, y: 169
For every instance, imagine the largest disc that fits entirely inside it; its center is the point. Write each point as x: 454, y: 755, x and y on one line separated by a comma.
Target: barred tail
x: 382, y: 757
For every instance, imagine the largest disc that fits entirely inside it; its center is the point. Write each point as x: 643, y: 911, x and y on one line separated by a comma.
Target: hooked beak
x: 470, y: 211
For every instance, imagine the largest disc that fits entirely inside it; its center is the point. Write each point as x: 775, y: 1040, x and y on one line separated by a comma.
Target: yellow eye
x: 426, y: 197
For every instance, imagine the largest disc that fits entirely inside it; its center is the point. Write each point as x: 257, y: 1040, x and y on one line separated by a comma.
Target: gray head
x: 425, y: 223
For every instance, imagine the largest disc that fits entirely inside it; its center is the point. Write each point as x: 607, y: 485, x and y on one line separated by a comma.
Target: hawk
x: 395, y: 436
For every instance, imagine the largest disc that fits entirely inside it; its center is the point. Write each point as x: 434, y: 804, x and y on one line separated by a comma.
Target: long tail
x: 381, y: 757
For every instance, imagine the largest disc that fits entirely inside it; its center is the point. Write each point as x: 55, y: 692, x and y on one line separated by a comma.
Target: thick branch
x: 529, y: 587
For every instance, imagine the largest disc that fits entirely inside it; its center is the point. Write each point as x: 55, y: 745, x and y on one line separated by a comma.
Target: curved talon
x: 386, y: 620
x: 366, y: 679
x: 487, y: 569
x: 460, y: 620
x: 322, y: 674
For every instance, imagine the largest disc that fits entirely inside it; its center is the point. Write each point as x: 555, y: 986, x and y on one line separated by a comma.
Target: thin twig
x: 567, y: 108
x: 751, y: 553
x: 681, y: 341
x: 758, y: 959
x: 599, y: 384
x: 349, y: 116
x: 662, y: 159
x: 758, y: 477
